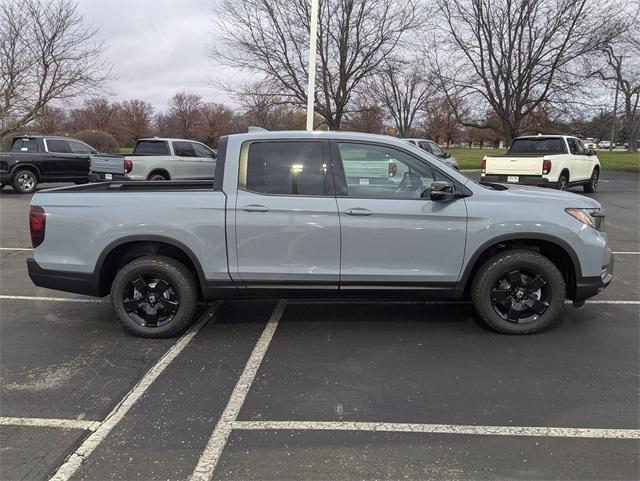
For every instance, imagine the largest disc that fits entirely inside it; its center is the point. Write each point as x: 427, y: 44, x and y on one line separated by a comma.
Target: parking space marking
x: 533, y: 431
x: 50, y: 423
x: 626, y: 253
x: 75, y: 459
x: 417, y: 301
x: 16, y: 249
x: 53, y: 299
x: 211, y: 454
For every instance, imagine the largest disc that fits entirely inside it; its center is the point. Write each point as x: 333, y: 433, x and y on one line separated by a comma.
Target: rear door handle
x: 358, y: 211
x: 255, y: 208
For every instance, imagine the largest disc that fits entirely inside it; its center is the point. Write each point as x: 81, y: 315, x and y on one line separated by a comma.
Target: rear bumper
x: 77, y: 282
x: 587, y: 287
x: 536, y: 180
x: 101, y: 177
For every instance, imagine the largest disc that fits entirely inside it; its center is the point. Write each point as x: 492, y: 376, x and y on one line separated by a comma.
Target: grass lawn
x: 616, y: 160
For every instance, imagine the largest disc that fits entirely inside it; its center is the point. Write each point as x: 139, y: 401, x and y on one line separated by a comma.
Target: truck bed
x: 140, y: 186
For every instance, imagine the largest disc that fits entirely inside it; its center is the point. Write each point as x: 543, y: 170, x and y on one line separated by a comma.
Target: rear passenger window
x: 286, y: 168
x: 58, y: 145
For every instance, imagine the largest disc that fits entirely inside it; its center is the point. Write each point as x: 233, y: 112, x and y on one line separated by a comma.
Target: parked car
x: 434, y: 149
x: 281, y: 218
x: 606, y: 144
x: 157, y: 159
x: 557, y: 161
x: 35, y: 159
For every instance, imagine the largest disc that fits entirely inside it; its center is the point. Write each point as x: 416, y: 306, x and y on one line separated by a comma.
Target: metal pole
x: 615, y: 120
x: 311, y: 86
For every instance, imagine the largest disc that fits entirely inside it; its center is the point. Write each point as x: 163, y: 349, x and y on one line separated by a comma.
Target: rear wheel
x: 563, y: 182
x: 591, y: 186
x: 157, y: 176
x: 518, y: 292
x: 154, y: 296
x: 25, y: 181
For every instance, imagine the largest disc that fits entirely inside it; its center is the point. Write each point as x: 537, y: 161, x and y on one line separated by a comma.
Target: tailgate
x: 109, y: 164
x: 514, y: 165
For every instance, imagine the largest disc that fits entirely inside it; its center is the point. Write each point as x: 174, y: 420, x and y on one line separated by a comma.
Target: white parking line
x: 537, y: 431
x: 211, y: 454
x: 53, y: 299
x: 50, y: 423
x: 16, y: 249
x: 626, y: 253
x: 75, y: 459
x: 391, y: 301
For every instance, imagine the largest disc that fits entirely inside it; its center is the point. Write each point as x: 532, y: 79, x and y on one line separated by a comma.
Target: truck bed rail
x: 138, y: 186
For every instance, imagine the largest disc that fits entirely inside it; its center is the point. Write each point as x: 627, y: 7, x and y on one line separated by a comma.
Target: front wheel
x: 155, y: 177
x: 154, y: 296
x: 591, y: 186
x: 518, y: 292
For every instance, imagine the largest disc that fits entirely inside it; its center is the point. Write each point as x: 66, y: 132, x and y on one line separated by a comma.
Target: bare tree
x: 442, y: 119
x: 354, y: 38
x: 134, y: 119
x: 52, y: 120
x: 366, y: 118
x: 517, y: 55
x: 217, y: 120
x: 403, y: 89
x: 623, y: 70
x: 47, y: 53
x: 184, y: 111
x: 97, y: 113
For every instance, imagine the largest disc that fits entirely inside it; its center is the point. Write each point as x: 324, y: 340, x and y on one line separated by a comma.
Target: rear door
x: 286, y: 218
x: 61, y: 163
x: 580, y: 163
x: 394, y: 239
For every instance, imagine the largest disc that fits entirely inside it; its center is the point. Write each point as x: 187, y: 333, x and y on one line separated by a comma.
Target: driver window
x: 377, y: 172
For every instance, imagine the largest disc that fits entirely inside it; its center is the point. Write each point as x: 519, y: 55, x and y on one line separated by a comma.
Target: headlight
x: 591, y: 217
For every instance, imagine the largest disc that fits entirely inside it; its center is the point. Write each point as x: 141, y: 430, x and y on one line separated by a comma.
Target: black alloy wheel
x: 520, y: 296
x: 151, y: 301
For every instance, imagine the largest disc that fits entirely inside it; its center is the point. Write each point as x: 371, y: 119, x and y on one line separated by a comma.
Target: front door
x: 286, y: 219
x: 394, y: 239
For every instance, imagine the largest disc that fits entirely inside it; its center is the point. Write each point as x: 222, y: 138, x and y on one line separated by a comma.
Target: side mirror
x: 591, y: 152
x: 441, y: 191
x: 447, y: 155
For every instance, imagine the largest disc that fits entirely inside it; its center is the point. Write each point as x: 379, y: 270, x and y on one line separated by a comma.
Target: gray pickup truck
x: 295, y: 214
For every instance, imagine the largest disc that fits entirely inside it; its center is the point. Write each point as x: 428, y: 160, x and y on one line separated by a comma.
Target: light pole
x: 311, y: 85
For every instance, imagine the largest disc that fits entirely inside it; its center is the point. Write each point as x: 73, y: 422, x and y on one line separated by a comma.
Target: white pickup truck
x: 157, y: 159
x: 557, y: 161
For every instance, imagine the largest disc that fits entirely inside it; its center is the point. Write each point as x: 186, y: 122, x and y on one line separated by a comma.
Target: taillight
x: 128, y: 166
x: 393, y: 169
x: 546, y: 166
x: 37, y: 224
x: 483, y: 168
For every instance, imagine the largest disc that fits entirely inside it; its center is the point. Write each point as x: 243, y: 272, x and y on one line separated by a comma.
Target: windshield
x: 537, y: 146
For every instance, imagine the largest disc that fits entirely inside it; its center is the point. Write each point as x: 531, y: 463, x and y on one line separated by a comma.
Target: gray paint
x: 310, y: 238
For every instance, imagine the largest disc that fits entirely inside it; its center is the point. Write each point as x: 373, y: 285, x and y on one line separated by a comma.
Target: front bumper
x: 77, y: 282
x: 587, y: 287
x: 536, y: 180
x: 5, y: 177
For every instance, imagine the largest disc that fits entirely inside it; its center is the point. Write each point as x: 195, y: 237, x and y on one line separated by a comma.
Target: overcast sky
x: 157, y: 47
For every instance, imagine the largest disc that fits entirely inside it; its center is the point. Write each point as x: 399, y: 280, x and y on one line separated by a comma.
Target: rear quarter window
x: 25, y: 145
x: 151, y: 147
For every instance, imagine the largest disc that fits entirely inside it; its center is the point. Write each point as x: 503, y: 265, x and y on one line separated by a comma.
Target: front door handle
x: 358, y: 211
x: 255, y: 208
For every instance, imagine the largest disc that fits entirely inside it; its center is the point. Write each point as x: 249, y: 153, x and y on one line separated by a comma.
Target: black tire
x: 135, y: 296
x: 591, y: 186
x: 507, y: 303
x: 157, y: 176
x: 24, y: 181
x: 563, y: 182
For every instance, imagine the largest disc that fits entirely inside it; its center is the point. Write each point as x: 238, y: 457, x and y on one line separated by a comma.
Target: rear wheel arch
x: 162, y: 172
x: 121, y: 252
x: 555, y: 249
x: 30, y: 167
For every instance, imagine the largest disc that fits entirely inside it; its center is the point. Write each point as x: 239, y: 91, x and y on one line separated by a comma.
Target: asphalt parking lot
x: 277, y: 390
